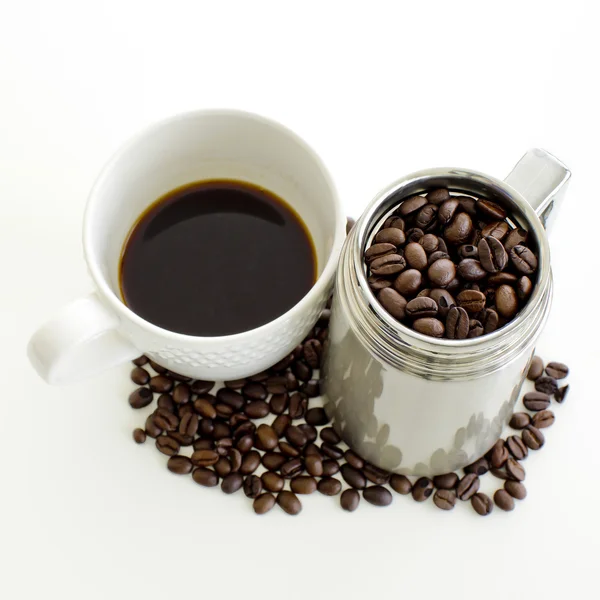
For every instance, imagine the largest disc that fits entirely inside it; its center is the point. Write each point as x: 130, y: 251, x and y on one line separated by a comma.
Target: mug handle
x: 82, y: 340
x: 542, y: 179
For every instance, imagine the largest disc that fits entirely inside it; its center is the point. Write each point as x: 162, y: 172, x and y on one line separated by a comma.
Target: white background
x: 379, y: 90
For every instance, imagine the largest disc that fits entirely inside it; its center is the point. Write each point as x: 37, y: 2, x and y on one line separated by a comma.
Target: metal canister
x: 423, y: 406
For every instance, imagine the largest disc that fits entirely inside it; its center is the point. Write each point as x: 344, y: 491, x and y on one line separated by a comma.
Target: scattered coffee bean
x: 499, y: 455
x: 267, y: 436
x: 303, y: 484
x: 516, y: 489
x: 181, y: 465
x: 140, y: 398
x: 546, y: 385
x: 561, y: 394
x: 543, y: 419
x: 264, y: 503
x: 467, y: 486
x: 448, y: 481
x: 377, y: 495
x: 536, y: 368
x: 222, y: 467
x: 479, y: 467
x: 349, y: 500
x: 330, y: 468
x: 482, y: 504
x: 232, y: 483
x: 375, y: 474
x: 139, y: 435
x: 517, y: 447
x: 353, y: 477
x: 353, y: 459
x: 422, y: 489
x: 205, y: 477
x: 316, y: 416
x: 444, y: 499
x: 329, y: 486
x: 557, y: 370
x: 298, y: 405
x: 140, y: 376
x: 272, y: 482
x: 329, y: 435
x: 161, y: 384
x: 533, y: 437
x: 140, y: 361
x: 515, y: 470
x: 536, y: 401
x: 250, y: 461
x: 519, y: 420
x: 314, y: 465
x: 289, y: 502
x: 167, y: 445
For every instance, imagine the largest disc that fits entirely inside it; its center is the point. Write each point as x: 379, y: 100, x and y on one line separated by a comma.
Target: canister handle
x: 542, y: 179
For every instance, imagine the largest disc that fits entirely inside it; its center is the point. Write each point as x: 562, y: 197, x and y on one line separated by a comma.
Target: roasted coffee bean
x: 263, y: 504
x: 516, y: 489
x: 375, y: 474
x: 280, y: 424
x: 434, y: 256
x: 543, y: 419
x: 140, y: 376
x: 353, y: 459
x: 166, y: 401
x: 499, y: 455
x: 161, y: 384
x: 312, y: 390
x: 166, y: 420
x: 204, y: 408
x: 151, y: 428
x: 457, y: 323
x: 182, y: 439
x: 298, y: 405
x: 447, y: 210
x: 254, y: 390
x: 475, y: 328
x: 278, y: 403
x: 182, y: 393
x: 430, y: 243
x: 252, y: 486
x: 158, y: 368
x: 330, y: 467
x: 167, y: 445
x: 289, y: 450
x: 222, y: 467
x: 414, y: 234
x: 391, y: 235
x: 223, y: 446
x: 536, y: 401
x: 205, y: 477
x: 443, y: 299
x: 309, y: 431
x: 471, y: 300
x: 515, y: 470
x: 557, y: 370
x: 394, y: 221
x: 223, y: 410
x: 496, y: 229
x: 490, y: 320
x: 516, y: 447
x: 415, y: 256
x: 256, y: 409
x: 507, y: 303
x: 248, y: 463
x: 438, y: 196
x: 519, y: 420
x: 482, y: 504
x: 400, y: 484
x: 459, y: 230
x: 185, y: 409
x: 295, y: 436
x: 377, y: 282
x: 201, y: 387
x: 468, y: 251
x: 429, y: 326
x: 289, y: 502
x: 232, y: 483
x: 377, y: 495
x: 422, y: 489
x: 490, y: 210
x: 425, y: 218
x: 292, y: 467
x: 524, y: 288
x: 267, y: 437
x: 303, y: 485
x: 140, y: 398
x: 311, y: 449
x: 200, y: 444
x: 441, y: 273
x: 331, y: 451
x: 272, y: 482
x: 503, y: 278
x: 242, y: 427
x: 230, y: 398
x: 204, y: 458
x: 407, y: 284
x: 561, y: 394
x: 378, y: 250
x: 536, y: 368
x: 470, y: 269
x: 479, y: 467
x: 523, y: 259
x: 448, y: 481
x: 445, y: 499
x: 468, y: 486
x: 329, y: 435
x: 500, y: 473
x: 349, y: 500
x: 180, y: 465
x: 188, y: 424
x: 314, y: 465
x: 492, y: 255
x: 139, y: 436
x: 140, y: 361
x: 533, y: 437
x: 353, y: 477
x: 411, y: 205
x: 421, y: 307
x: 393, y: 302
x: 387, y: 265
x: 235, y: 384
x: 316, y: 416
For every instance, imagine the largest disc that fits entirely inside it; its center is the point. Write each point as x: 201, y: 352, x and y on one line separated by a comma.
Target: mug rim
x: 323, y: 280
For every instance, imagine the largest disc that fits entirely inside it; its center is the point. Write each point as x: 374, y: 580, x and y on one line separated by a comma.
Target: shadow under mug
x: 99, y: 331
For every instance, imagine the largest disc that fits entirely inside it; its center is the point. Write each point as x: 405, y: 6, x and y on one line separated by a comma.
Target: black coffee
x: 216, y: 258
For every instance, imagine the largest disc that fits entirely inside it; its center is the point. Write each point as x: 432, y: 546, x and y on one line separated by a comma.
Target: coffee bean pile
x: 451, y: 266
x: 262, y: 436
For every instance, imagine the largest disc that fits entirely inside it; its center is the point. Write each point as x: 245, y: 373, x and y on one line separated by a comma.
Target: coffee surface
x: 216, y: 258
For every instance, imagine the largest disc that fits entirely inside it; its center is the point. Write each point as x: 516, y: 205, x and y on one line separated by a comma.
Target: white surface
x: 378, y: 92
x: 91, y: 335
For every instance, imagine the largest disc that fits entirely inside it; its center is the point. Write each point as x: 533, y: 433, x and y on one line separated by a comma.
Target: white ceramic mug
x: 100, y: 331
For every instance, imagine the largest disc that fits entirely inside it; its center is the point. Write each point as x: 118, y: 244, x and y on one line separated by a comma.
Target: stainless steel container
x: 419, y: 405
